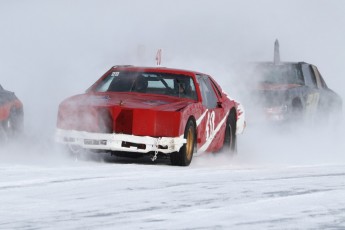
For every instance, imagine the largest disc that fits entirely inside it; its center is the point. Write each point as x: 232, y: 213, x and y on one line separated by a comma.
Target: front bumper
x: 119, y: 142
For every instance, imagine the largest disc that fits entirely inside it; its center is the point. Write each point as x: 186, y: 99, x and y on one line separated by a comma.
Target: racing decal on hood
x: 154, y: 102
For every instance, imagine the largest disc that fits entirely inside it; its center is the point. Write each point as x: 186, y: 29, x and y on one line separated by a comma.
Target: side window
x: 105, y: 84
x: 323, y: 83
x: 209, y: 98
x: 320, y: 82
x: 191, y: 93
x: 309, y: 76
x: 215, y: 86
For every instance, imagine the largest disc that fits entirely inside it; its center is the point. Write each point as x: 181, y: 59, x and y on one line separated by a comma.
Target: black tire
x: 297, y: 112
x: 185, y: 155
x: 230, y: 139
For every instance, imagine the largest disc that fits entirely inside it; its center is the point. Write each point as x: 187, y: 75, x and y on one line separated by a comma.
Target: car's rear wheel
x: 230, y: 140
x: 185, y: 155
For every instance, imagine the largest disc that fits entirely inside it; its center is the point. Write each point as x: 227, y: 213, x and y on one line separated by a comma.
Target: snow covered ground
x: 261, y: 188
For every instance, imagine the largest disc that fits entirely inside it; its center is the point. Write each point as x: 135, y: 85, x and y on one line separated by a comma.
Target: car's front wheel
x: 185, y: 155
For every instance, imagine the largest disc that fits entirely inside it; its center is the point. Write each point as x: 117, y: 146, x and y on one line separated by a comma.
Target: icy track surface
x: 213, y: 193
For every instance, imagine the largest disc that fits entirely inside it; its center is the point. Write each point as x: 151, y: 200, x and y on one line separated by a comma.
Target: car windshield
x: 280, y: 74
x: 149, y: 83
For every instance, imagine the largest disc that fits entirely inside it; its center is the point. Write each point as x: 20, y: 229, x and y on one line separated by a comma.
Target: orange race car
x: 11, y: 114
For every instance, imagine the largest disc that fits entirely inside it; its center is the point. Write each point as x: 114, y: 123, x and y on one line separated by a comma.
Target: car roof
x: 280, y: 63
x: 157, y: 69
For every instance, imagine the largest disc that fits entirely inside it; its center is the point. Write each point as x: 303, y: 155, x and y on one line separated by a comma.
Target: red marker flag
x: 159, y: 57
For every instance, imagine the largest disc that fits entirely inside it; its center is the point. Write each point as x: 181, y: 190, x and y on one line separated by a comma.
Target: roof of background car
x: 155, y: 69
x: 280, y: 63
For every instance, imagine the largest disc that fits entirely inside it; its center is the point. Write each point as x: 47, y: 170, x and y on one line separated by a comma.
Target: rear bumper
x: 119, y: 142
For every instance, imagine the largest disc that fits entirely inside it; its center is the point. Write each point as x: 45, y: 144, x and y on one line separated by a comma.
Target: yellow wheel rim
x: 190, y: 143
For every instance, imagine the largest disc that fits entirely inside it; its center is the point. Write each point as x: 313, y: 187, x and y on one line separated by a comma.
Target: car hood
x: 127, y: 113
x: 129, y: 101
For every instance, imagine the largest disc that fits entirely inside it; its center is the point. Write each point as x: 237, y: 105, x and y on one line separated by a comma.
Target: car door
x: 329, y: 101
x: 211, y: 125
x: 312, y: 93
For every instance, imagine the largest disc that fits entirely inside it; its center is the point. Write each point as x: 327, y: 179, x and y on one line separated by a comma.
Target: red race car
x: 159, y: 111
x: 11, y: 114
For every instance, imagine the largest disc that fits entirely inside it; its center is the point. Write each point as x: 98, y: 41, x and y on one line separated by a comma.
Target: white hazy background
x: 50, y: 50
